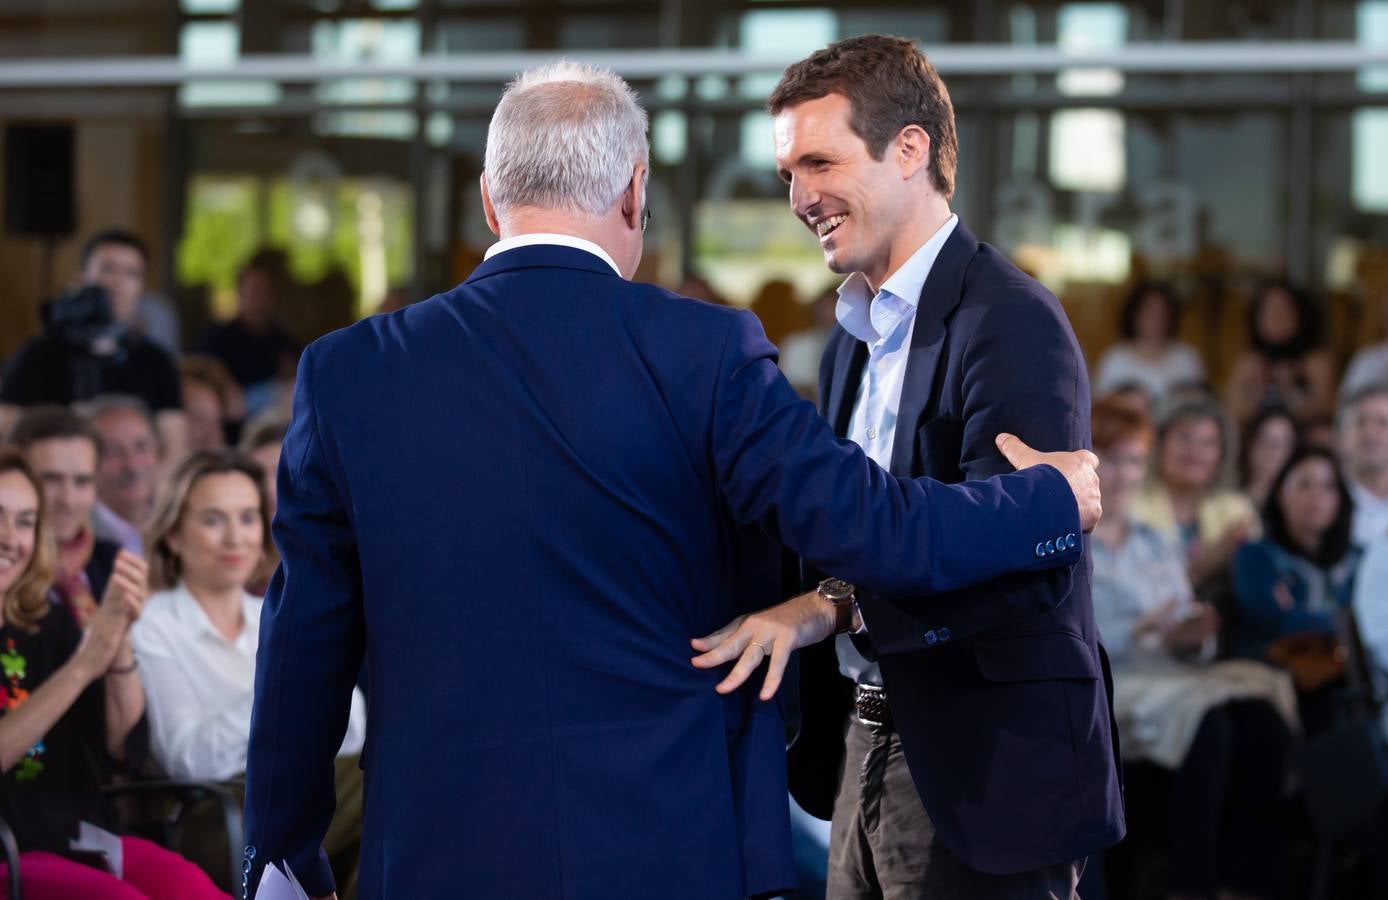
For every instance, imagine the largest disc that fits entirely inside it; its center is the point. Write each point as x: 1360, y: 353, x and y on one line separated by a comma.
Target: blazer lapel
x: 850, y: 355
x: 944, y: 287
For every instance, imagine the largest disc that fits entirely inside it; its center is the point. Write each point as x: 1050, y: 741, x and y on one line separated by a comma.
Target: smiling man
x: 980, y: 760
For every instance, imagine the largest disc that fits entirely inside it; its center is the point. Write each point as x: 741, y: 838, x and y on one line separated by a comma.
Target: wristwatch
x: 839, y: 594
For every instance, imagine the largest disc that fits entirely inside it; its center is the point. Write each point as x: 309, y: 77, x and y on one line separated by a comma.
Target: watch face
x: 836, y: 589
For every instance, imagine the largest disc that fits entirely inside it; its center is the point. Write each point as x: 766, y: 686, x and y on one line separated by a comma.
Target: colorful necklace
x: 12, y: 697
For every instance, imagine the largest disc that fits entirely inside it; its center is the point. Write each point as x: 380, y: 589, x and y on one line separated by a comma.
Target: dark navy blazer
x: 519, y: 500
x: 1000, y: 691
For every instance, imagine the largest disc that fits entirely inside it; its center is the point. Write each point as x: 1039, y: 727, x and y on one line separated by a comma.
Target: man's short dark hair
x: 889, y: 84
x: 52, y: 423
x: 1132, y: 305
x: 118, y: 236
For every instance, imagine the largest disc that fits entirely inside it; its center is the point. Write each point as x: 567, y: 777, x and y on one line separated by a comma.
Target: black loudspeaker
x: 39, y: 199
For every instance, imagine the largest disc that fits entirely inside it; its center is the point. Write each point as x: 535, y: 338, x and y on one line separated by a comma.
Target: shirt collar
x: 561, y: 240
x: 906, y: 283
x: 1362, y: 496
x: 193, y: 618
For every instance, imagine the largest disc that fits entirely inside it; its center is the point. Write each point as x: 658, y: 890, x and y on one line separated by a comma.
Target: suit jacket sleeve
x: 781, y: 466
x: 311, y: 646
x: 1022, y: 373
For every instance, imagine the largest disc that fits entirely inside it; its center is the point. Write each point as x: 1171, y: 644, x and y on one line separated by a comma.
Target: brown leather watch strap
x: 843, y: 617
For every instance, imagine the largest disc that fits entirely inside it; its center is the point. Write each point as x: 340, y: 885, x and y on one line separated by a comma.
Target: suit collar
x: 850, y: 355
x: 943, y: 290
x: 543, y: 256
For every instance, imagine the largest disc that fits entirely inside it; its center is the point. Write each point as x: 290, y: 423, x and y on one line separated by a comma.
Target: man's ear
x: 912, y: 148
x: 487, y: 209
x: 634, y: 198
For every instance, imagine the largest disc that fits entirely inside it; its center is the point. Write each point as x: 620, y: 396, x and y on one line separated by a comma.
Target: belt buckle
x: 880, y: 696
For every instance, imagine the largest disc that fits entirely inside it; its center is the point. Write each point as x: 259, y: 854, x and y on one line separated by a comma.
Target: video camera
x: 83, y: 317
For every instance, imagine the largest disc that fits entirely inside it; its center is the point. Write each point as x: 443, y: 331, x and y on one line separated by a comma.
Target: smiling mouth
x: 826, y: 227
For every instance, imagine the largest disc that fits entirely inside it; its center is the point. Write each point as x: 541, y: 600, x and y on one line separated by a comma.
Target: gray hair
x: 565, y: 136
x: 1356, y: 398
x: 100, y: 406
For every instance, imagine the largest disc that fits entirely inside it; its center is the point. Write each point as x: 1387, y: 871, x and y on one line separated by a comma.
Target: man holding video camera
x: 88, y: 349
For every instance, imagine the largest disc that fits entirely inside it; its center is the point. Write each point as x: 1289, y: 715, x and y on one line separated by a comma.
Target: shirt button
x: 872, y: 434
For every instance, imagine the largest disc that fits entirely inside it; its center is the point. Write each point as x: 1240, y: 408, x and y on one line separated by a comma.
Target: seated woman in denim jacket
x: 1298, y: 580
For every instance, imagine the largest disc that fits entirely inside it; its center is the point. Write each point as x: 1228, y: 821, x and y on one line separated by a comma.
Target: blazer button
x: 931, y: 638
x: 1050, y: 547
x: 943, y: 634
x: 1070, y: 541
x: 1040, y: 550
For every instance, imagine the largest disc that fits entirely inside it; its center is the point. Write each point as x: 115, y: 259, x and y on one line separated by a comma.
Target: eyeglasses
x: 645, y: 219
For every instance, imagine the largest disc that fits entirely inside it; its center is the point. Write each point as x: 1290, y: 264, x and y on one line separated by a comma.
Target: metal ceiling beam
x: 970, y: 59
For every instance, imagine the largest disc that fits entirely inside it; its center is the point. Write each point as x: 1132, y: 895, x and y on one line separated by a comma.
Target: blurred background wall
x: 1217, y: 143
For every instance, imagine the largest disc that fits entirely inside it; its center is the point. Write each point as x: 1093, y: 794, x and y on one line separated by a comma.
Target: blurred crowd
x: 1240, y: 579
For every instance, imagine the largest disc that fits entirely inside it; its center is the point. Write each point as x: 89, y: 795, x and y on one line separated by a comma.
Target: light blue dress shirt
x: 884, y: 322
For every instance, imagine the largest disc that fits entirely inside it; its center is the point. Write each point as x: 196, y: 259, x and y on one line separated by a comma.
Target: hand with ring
x: 771, y: 635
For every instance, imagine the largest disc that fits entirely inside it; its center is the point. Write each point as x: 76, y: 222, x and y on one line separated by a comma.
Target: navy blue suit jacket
x: 1000, y: 691
x: 520, y: 500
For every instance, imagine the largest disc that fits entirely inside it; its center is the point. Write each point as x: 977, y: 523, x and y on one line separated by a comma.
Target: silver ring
x: 764, y: 651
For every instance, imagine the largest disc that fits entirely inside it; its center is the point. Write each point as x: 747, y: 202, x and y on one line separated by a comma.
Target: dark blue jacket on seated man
x: 519, y: 500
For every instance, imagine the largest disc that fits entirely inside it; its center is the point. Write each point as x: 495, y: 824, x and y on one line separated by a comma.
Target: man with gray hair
x: 1363, y: 426
x: 598, y: 472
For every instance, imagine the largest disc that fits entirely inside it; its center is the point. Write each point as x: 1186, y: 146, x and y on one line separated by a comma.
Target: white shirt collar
x: 906, y: 283
x: 561, y: 240
x: 193, y: 618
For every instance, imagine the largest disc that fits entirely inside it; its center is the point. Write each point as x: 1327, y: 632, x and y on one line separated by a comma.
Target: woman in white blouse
x: 196, y: 643
x: 1149, y: 355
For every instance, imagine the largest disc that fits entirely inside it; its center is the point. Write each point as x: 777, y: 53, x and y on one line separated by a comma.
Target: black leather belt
x: 870, y: 706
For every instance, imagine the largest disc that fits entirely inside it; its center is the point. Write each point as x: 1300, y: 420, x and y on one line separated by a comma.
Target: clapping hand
x: 108, y: 627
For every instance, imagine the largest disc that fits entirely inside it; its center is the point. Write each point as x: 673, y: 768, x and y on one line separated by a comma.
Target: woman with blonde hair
x: 197, y: 641
x: 1188, y: 499
x: 69, y: 703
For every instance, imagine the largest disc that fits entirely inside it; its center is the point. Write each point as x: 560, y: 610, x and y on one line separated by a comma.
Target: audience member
x: 1370, y: 604
x: 1364, y: 450
x: 128, y: 468
x: 211, y: 401
x: 72, y: 708
x: 801, y: 350
x: 64, y: 451
x: 1285, y: 363
x: 779, y: 311
x: 1149, y: 353
x: 1370, y: 364
x: 1291, y: 586
x: 197, y: 641
x: 262, y: 442
x: 253, y: 346
x: 85, y: 352
x: 1186, y: 499
x: 158, y: 320
x: 1267, y: 444
x: 1221, y: 729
